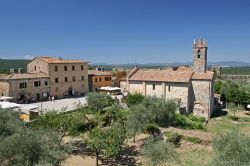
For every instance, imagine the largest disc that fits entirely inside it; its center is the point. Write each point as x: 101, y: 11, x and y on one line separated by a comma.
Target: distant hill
x: 7, y: 64
x: 222, y: 63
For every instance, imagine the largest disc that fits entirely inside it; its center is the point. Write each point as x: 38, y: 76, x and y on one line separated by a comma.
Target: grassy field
x: 200, y: 156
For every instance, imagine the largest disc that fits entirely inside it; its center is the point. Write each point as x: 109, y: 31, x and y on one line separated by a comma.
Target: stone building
x: 192, y: 87
x: 66, y: 77
x: 47, y: 76
x: 99, y: 78
x: 25, y: 87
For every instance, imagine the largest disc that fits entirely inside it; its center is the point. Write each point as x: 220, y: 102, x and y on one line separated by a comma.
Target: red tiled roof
x: 161, y: 75
x: 99, y: 73
x: 203, y: 76
x: 57, y: 60
x: 16, y: 76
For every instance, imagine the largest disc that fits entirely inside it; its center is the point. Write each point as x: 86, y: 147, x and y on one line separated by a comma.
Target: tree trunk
x: 97, y: 158
x: 134, y: 139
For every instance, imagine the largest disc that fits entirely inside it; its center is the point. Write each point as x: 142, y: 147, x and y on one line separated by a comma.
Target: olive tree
x: 157, y: 152
x: 231, y: 149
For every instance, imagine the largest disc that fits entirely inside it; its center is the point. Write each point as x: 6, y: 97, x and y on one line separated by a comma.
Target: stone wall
x: 30, y: 91
x: 203, y: 96
x: 79, y: 86
x: 37, y: 66
x: 4, y: 88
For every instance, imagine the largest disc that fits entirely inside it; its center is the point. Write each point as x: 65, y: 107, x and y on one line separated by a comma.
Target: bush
x: 174, y: 138
x: 231, y: 149
x: 99, y: 101
x: 153, y: 129
x: 193, y: 139
x: 134, y: 99
x: 183, y: 121
x: 196, y: 118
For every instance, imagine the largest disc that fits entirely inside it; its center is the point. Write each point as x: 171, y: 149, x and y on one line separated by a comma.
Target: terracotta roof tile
x: 203, y: 76
x: 161, y: 75
x: 99, y: 73
x: 24, y: 76
x: 57, y: 60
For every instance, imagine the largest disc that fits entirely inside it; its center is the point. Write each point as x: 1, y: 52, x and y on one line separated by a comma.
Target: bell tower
x: 200, y: 56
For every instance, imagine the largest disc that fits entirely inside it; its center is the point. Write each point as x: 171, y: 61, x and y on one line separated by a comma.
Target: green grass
x: 194, y: 157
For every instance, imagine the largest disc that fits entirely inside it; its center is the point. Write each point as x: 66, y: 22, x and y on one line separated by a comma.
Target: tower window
x: 199, y: 54
x: 56, y: 68
x: 65, y: 68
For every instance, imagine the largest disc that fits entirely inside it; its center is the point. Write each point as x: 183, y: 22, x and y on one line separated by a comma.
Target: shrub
x: 153, y: 129
x: 231, y: 149
x: 193, y: 139
x: 134, y: 99
x: 183, y: 121
x: 174, y: 138
x: 196, y: 118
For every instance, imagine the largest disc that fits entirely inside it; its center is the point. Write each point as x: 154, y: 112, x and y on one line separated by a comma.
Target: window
x: 199, y: 54
x: 65, y: 68
x: 56, y: 80
x: 35, y: 68
x: 66, y: 79
x: 56, y: 68
x: 107, y: 78
x: 37, y: 83
x: 74, y: 78
x: 153, y: 86
x: 2, y: 94
x: 73, y: 68
x: 82, y: 77
x: 46, y: 83
x: 22, y: 85
x: 82, y: 68
x: 169, y: 88
x: 96, y: 80
x: 100, y: 79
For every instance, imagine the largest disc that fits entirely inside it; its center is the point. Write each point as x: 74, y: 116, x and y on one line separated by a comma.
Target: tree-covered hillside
x: 6, y: 64
x: 236, y: 70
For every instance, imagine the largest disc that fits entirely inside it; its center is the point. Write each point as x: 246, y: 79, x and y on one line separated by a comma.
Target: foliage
x: 160, y: 111
x: 137, y: 120
x: 153, y: 129
x: 218, y: 86
x: 134, y: 99
x: 7, y: 64
x: 107, y: 141
x: 236, y: 92
x: 185, y: 122
x: 236, y: 70
x: 231, y: 148
x: 159, y: 152
x: 174, y: 138
x: 196, y: 118
x: 99, y: 101
x: 193, y: 139
x: 22, y: 146
x: 63, y: 123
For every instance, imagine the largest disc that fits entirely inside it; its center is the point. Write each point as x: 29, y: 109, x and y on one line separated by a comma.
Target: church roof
x: 181, y: 74
x: 161, y: 75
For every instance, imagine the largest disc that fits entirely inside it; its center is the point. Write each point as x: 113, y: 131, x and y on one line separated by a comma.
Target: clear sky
x: 125, y: 31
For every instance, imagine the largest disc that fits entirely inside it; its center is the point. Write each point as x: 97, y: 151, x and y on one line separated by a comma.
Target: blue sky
x: 125, y: 31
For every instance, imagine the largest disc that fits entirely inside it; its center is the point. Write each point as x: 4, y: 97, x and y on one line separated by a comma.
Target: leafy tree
x: 159, y: 152
x: 99, y: 101
x: 231, y: 149
x: 134, y: 99
x: 22, y: 146
x: 137, y: 120
x: 63, y: 123
x: 161, y: 111
x: 106, y: 141
x: 218, y: 86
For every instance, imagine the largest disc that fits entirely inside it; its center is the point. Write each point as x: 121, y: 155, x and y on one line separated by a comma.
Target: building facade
x: 47, y: 76
x: 192, y: 87
x: 25, y: 87
x: 66, y: 77
x: 99, y: 78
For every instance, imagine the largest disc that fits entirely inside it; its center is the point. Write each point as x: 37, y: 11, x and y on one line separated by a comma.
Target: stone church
x: 192, y: 87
